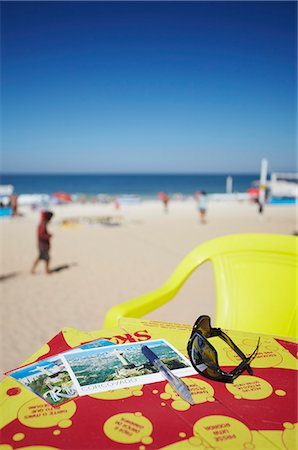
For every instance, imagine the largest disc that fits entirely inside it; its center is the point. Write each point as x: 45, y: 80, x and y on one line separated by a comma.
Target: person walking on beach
x: 43, y: 242
x: 14, y: 205
x: 202, y: 206
x: 165, y: 199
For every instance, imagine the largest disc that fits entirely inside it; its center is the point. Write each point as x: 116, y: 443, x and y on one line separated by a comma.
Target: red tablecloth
x: 255, y: 412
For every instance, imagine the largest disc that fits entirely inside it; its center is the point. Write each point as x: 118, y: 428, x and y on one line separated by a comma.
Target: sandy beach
x: 98, y: 266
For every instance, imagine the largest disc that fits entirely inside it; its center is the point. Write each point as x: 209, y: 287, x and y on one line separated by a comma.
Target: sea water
x: 144, y: 185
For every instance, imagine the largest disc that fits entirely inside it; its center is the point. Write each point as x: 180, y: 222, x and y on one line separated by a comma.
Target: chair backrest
x: 256, y: 284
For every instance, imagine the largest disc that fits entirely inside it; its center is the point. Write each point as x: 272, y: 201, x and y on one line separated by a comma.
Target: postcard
x: 49, y: 378
x: 119, y: 366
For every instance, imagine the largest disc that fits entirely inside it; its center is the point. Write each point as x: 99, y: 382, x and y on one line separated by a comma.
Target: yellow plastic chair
x: 256, y: 284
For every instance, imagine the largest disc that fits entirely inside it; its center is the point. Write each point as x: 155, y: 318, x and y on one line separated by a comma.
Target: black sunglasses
x: 203, y: 355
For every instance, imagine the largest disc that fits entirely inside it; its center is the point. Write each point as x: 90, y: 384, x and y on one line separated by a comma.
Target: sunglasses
x: 203, y: 355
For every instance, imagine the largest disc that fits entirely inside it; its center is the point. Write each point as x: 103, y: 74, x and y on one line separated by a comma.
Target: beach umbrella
x: 161, y: 195
x: 62, y: 197
x: 253, y: 193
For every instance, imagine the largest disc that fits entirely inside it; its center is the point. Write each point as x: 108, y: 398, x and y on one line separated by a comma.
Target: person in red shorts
x: 165, y: 200
x: 43, y: 242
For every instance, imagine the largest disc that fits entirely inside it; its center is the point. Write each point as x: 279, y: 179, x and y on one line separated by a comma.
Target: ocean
x: 138, y: 184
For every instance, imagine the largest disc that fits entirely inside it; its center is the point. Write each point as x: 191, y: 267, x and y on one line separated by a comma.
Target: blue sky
x: 157, y: 87
x: 33, y: 369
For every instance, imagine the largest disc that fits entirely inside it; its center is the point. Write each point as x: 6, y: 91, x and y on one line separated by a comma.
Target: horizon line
x: 135, y: 173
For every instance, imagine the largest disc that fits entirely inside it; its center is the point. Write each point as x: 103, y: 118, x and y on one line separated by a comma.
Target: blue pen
x: 177, y: 384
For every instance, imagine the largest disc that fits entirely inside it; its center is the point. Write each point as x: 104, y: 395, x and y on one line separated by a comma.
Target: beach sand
x: 111, y: 264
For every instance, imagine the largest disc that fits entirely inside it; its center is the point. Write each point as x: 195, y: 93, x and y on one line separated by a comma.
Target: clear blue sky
x: 160, y: 87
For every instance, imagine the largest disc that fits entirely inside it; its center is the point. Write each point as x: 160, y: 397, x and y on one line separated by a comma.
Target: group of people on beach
x: 44, y: 237
x: 201, y: 198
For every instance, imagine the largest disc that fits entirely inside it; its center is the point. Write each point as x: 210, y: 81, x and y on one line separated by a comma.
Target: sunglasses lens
x: 205, y: 325
x: 202, y: 352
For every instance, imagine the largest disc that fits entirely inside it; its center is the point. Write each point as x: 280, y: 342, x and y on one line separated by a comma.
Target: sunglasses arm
x: 245, y: 360
x: 245, y: 363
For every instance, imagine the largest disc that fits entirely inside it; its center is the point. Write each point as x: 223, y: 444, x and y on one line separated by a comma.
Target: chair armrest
x: 144, y: 304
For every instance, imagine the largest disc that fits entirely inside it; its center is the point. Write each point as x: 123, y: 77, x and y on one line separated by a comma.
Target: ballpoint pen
x: 177, y: 384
